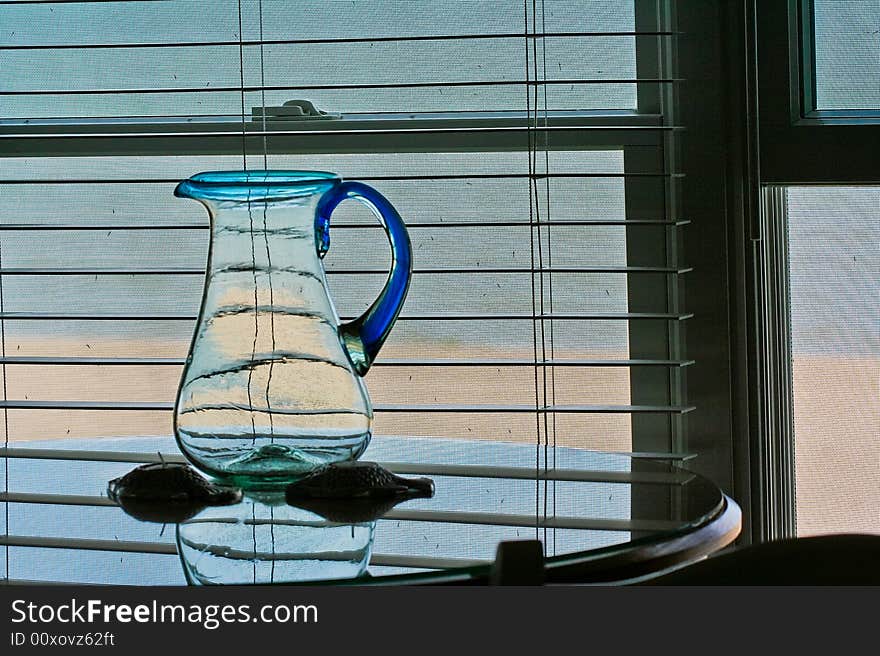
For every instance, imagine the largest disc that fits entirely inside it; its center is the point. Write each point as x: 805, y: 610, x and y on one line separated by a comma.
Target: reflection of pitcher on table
x: 272, y: 387
x: 265, y: 540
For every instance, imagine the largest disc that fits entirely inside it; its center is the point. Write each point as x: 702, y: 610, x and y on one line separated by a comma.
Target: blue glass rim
x: 258, y: 185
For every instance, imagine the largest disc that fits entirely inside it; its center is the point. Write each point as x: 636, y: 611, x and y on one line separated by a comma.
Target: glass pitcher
x: 272, y: 385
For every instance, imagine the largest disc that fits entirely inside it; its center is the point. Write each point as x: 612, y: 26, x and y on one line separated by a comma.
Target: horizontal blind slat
x: 620, y: 316
x: 439, y: 516
x: 160, y: 548
x: 335, y: 87
x: 478, y: 519
x: 257, y: 133
x: 195, y: 271
x: 415, y: 409
x: 364, y: 39
x: 336, y: 226
x: 438, y: 469
x: 365, y: 178
x: 377, y: 178
x: 381, y: 362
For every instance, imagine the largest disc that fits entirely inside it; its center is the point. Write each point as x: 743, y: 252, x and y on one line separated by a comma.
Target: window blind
x: 530, y: 148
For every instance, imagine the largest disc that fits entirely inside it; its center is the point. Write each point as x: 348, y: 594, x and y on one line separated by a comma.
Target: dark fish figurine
x: 353, y: 492
x: 353, y: 479
x: 167, y: 492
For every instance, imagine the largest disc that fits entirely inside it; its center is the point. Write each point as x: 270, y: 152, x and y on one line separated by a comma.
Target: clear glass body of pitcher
x: 272, y: 385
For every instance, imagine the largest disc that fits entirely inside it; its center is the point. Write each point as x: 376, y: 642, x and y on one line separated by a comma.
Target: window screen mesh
x: 847, y: 54
x: 834, y: 267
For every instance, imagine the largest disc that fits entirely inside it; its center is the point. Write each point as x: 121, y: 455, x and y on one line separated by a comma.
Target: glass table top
x: 63, y: 528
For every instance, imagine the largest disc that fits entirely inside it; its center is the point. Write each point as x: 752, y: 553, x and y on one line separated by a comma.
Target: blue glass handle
x: 364, y: 336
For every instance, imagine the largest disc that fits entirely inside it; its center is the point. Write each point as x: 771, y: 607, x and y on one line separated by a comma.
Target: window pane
x: 835, y: 295
x: 847, y: 51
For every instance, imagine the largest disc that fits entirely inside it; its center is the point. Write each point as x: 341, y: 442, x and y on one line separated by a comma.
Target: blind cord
x: 530, y: 135
x: 533, y: 182
x: 251, y: 220
x: 547, y: 220
x: 263, y: 96
x: 545, y: 385
x: 540, y: 241
x: 266, y: 237
x: 256, y: 319
x: 241, y: 80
